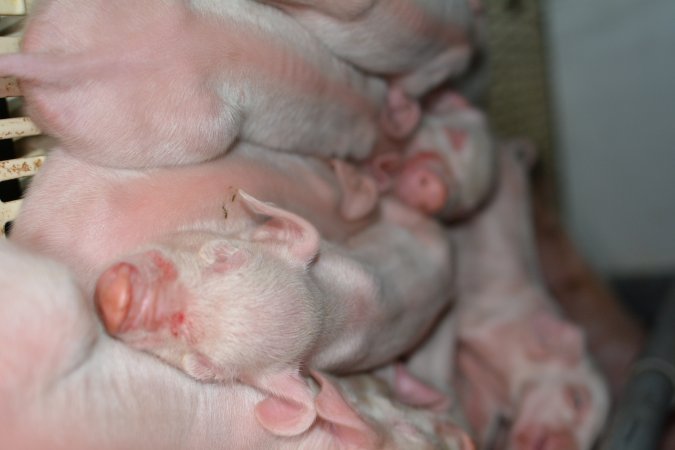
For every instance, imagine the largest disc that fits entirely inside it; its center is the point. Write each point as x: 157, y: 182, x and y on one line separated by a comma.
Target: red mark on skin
x: 167, y: 269
x: 457, y: 138
x: 176, y: 322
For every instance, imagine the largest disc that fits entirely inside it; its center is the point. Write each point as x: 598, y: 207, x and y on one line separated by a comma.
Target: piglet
x: 155, y: 83
x: 418, y: 44
x: 191, y: 264
x: 261, y: 305
x: 521, y: 370
x: 447, y: 168
x: 66, y: 385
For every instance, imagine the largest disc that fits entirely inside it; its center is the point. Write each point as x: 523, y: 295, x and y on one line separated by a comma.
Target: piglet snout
x: 424, y: 184
x: 113, y: 296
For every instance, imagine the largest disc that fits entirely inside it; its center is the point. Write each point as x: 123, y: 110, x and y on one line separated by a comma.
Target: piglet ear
x: 446, y: 102
x: 359, y: 191
x: 414, y: 392
x: 286, y: 232
x: 348, y: 427
x: 288, y: 409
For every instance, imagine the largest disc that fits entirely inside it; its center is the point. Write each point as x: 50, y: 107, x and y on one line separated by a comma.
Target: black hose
x: 649, y: 395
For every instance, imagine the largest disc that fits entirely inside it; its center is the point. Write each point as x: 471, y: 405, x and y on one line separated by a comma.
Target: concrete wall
x: 613, y: 69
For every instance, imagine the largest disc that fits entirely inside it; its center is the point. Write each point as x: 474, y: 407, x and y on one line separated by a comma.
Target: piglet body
x: 228, y: 287
x: 66, y: 385
x: 516, y: 357
x: 419, y: 44
x: 175, y: 82
x: 448, y: 166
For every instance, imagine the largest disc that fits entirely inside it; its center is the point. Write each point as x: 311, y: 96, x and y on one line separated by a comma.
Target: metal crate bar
x: 9, y: 44
x: 21, y: 167
x: 17, y: 127
x: 12, y: 7
x: 9, y: 87
x: 10, y: 170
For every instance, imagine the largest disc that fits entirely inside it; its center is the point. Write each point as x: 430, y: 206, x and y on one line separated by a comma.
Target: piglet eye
x: 221, y: 256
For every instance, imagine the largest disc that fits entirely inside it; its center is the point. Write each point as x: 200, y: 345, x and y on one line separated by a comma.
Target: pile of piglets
x: 273, y: 224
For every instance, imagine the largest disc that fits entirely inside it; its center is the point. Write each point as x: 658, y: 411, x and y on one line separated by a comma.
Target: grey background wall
x: 613, y: 74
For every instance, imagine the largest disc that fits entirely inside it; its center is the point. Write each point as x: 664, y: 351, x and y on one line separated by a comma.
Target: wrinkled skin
x: 234, y: 288
x: 518, y: 363
x: 66, y: 385
x: 447, y: 168
x: 210, y: 73
x: 418, y: 44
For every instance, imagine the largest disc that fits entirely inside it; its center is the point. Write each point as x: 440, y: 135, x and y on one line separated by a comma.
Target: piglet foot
x: 454, y: 436
x: 401, y: 115
x: 424, y: 183
x: 539, y: 438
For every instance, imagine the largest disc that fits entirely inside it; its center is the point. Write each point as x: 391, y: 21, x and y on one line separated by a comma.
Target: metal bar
x: 21, y: 167
x: 9, y: 87
x: 9, y: 44
x: 8, y: 211
x: 18, y: 127
x: 12, y: 7
x: 650, y: 393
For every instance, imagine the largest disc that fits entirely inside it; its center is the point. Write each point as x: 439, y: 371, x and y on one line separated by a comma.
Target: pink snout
x: 114, y: 295
x: 424, y: 183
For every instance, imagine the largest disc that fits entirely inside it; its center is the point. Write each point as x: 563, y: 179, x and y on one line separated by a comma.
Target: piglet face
x: 463, y: 161
x: 216, y: 308
x: 561, y: 412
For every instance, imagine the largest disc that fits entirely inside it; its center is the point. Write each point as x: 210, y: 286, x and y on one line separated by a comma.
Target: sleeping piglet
x: 67, y: 385
x: 417, y: 44
x: 193, y: 266
x: 154, y: 83
x: 447, y: 168
x: 518, y: 362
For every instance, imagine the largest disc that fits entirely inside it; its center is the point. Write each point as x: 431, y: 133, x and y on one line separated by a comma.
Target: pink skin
x: 447, y: 168
x: 417, y: 44
x: 66, y: 385
x: 198, y: 298
x: 165, y: 200
x: 210, y: 73
x: 184, y: 253
x: 514, y: 357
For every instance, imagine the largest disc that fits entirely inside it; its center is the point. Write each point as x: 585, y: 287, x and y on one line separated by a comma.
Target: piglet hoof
x: 544, y: 439
x: 424, y: 183
x: 113, y: 296
x: 454, y: 436
x: 401, y: 115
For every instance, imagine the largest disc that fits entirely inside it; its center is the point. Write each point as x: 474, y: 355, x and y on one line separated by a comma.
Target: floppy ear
x: 285, y: 232
x: 359, y: 192
x: 344, y: 422
x: 288, y: 409
x: 414, y: 392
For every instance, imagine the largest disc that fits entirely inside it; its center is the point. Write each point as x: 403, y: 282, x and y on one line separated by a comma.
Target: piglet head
x: 564, y: 411
x: 219, y: 306
x: 462, y: 171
